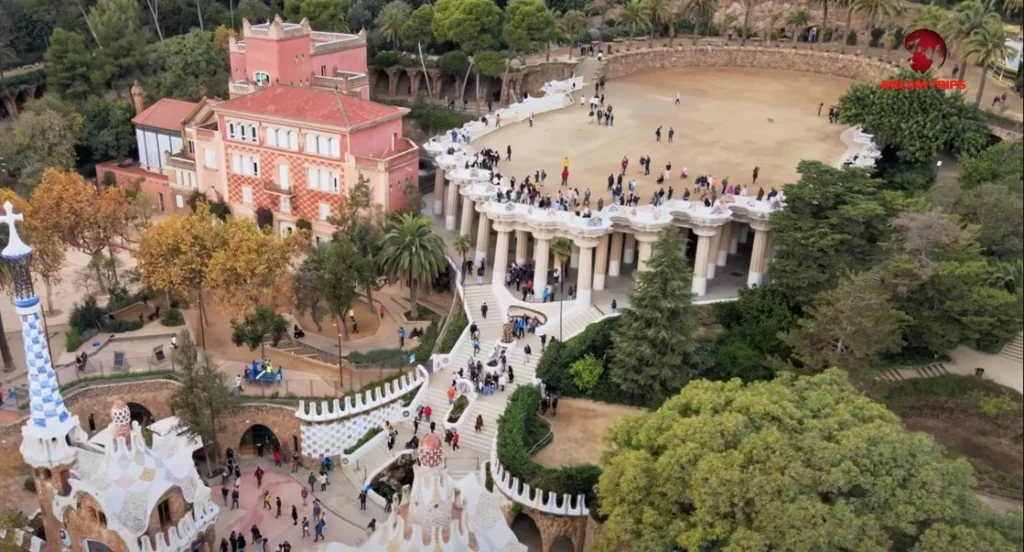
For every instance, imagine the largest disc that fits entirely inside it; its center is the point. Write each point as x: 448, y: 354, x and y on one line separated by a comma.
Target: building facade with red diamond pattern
x: 296, y: 134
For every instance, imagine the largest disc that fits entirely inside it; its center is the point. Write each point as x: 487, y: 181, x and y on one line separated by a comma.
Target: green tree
x: 1010, y: 275
x: 391, y: 21
x: 11, y: 521
x: 735, y: 359
x: 986, y: 46
x: 703, y: 14
x: 189, y: 67
x: 660, y: 14
x: 454, y: 64
x: 833, y: 222
x: 339, y: 270
x: 108, y: 129
x: 462, y: 244
x: 586, y: 372
x: 306, y: 288
x: 999, y: 217
x: 204, y: 398
x: 418, y: 29
x: 255, y: 11
x: 327, y: 15
x: 68, y: 66
x: 573, y: 25
x: 561, y: 250
x: 601, y: 8
x: 7, y: 53
x: 748, y: 8
x: 938, y: 276
x: 529, y: 27
x: 634, y: 16
x: 363, y: 222
x: 654, y: 350
x: 918, y: 123
x: 874, y: 9
x: 797, y: 20
x: 967, y: 17
x: 850, y: 327
x: 472, y: 24
x: 256, y: 327
x: 999, y: 164
x: 796, y: 463
x: 928, y: 16
x: 410, y: 250
x: 44, y: 136
x: 122, y: 56
x: 825, y: 4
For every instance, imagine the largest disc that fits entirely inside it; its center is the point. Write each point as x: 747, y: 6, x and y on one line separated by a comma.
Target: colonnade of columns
x: 598, y: 258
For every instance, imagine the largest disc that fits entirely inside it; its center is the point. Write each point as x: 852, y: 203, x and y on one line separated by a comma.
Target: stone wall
x: 155, y: 395
x: 280, y: 419
x: 535, y: 76
x: 551, y: 527
x: 848, y: 66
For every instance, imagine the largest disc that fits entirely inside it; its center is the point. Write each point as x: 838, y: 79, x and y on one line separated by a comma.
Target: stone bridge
x: 20, y: 86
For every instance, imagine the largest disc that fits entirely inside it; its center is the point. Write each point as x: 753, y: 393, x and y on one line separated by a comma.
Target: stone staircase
x: 1014, y: 350
x: 591, y: 70
x: 573, y: 325
x: 916, y: 372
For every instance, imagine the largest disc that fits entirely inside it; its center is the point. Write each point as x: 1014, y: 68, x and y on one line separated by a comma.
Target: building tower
x: 50, y: 432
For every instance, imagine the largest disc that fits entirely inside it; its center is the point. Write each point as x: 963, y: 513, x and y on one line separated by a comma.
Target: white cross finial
x: 15, y: 247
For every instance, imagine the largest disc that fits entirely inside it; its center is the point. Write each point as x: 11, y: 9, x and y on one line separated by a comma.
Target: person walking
x: 554, y: 406
x: 305, y: 496
x: 278, y: 504
x: 234, y: 499
x: 259, y: 477
x: 657, y: 135
x: 757, y: 170
x: 615, y: 306
x: 224, y: 493
x: 362, y: 500
x: 671, y: 135
x: 319, y: 531
x: 527, y: 352
x: 479, y: 423
x: 508, y: 152
x: 305, y: 527
x: 266, y: 500
x: 455, y: 441
x: 259, y: 450
x: 312, y: 482
x: 427, y: 412
x: 240, y: 542
x: 483, y: 310
x: 323, y: 482
x: 451, y: 396
x: 401, y: 336
x: 433, y: 426
x: 543, y: 342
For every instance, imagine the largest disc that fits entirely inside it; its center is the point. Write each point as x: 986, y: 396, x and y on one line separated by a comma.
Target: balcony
x: 272, y: 187
x: 342, y: 80
x: 332, y: 42
x: 179, y: 161
x: 243, y: 87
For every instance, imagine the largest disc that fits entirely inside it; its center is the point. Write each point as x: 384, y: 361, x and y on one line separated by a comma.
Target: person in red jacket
x: 565, y: 176
x: 427, y: 411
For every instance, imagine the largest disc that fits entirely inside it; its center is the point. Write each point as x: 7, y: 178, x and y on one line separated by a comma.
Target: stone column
x: 585, y: 274
x: 758, y: 255
x: 744, y: 233
x: 734, y: 237
x: 724, y: 239
x: 601, y: 263
x: 646, y: 247
x: 452, y: 205
x: 700, y: 262
x: 629, y: 252
x: 467, y: 216
x: 574, y: 257
x: 501, y: 253
x: 616, y: 254
x: 522, y: 242
x: 439, y: 191
x: 713, y: 255
x: 483, y: 237
x: 541, y: 258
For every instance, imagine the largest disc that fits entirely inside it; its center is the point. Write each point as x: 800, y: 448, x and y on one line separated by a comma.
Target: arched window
x: 262, y: 78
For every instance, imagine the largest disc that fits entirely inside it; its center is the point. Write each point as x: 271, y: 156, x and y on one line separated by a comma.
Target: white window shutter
x: 236, y: 163
x: 255, y: 167
x: 272, y: 137
x: 231, y: 129
x: 310, y: 143
x: 283, y: 177
x: 211, y: 158
x: 252, y: 133
x: 335, y: 147
x: 325, y: 211
x: 322, y: 145
x: 312, y: 183
x: 293, y: 140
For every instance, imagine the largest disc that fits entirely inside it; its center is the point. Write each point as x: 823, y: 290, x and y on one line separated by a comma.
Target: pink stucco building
x: 297, y: 132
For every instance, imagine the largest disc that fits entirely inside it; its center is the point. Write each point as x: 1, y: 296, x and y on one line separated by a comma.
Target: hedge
x: 455, y: 328
x: 370, y: 434
x: 515, y: 427
x: 460, y: 406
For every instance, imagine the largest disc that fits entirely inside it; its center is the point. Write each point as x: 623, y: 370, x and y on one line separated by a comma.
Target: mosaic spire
x: 46, y: 406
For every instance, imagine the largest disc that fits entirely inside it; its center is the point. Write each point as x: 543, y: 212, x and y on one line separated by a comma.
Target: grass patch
x: 370, y: 434
x: 460, y: 406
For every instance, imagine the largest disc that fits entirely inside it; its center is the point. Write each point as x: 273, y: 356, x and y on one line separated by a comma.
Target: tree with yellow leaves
x: 251, y: 267
x: 174, y: 255
x: 82, y: 216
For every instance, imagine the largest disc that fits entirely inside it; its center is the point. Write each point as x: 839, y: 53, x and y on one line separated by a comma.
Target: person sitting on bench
x: 413, y: 443
x: 297, y: 332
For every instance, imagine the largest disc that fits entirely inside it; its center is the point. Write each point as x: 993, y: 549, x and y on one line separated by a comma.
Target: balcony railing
x: 272, y: 187
x: 341, y: 81
x: 336, y: 42
x: 245, y: 87
x: 179, y: 161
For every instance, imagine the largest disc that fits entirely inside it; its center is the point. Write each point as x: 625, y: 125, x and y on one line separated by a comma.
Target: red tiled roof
x: 311, y: 105
x: 165, y: 114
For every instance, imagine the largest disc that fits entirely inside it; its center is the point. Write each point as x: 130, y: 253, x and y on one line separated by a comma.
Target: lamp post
x: 341, y: 373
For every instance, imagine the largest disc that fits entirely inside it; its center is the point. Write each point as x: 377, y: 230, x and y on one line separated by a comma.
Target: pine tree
x: 654, y: 349
x: 122, y: 54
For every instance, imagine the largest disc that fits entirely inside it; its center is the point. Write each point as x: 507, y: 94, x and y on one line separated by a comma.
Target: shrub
x: 172, y: 317
x: 303, y: 224
x: 851, y: 38
x: 386, y: 58
x: 382, y: 488
x: 74, y: 340
x: 376, y: 356
x: 993, y: 404
x: 454, y: 64
x: 454, y: 331
x: 897, y: 38
x: 370, y: 434
x: 876, y: 36
x: 88, y: 316
x: 460, y: 406
x: 109, y: 178
x: 264, y: 218
x: 121, y: 326
x: 427, y: 342
x: 827, y: 36
x: 586, y: 372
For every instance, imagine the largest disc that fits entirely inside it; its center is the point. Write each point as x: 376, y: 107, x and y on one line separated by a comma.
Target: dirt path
x: 579, y: 431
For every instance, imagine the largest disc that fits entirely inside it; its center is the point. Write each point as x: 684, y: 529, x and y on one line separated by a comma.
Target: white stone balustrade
x: 538, y: 499
x: 368, y: 400
x: 182, y: 535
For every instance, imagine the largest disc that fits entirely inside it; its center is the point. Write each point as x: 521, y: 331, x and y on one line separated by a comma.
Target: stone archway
x: 527, y: 532
x: 279, y: 419
x: 561, y: 543
x: 140, y: 413
x: 254, y: 436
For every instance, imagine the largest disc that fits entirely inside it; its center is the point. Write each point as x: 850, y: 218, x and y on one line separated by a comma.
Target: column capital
x: 760, y: 225
x: 706, y: 231
x: 543, y: 235
x: 502, y: 226
x: 645, y: 237
x: 586, y: 243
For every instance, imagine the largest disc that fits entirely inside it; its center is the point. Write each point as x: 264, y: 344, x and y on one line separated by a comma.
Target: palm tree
x: 660, y: 13
x: 824, y: 17
x: 573, y: 24
x: 410, y: 250
x: 928, y: 16
x: 7, y: 53
x: 462, y: 244
x: 748, y: 7
x: 676, y: 10
x: 849, y: 6
x: 986, y: 46
x: 798, y: 19
x: 390, y: 23
x: 968, y: 17
x: 699, y: 10
x: 727, y: 23
x: 1012, y: 6
x: 634, y: 16
x: 875, y: 8
x: 600, y: 7
x: 561, y: 248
